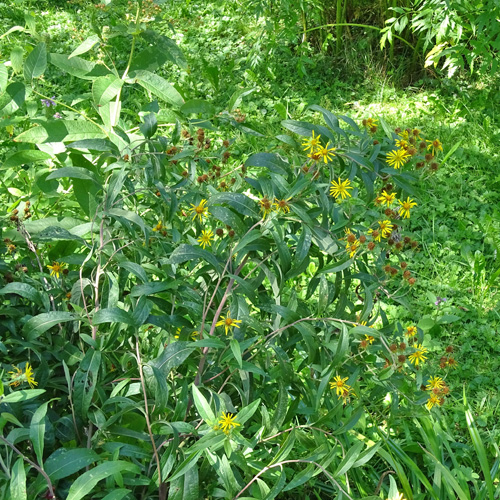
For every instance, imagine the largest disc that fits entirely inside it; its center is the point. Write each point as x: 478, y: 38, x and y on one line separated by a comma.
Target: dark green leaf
x: 24, y: 290
x: 186, y: 252
x: 61, y: 131
x: 270, y: 161
x: 39, y: 324
x: 63, y: 463
x: 36, y: 62
x: 113, y: 315
x: 85, y: 46
x: 195, y: 106
x: 158, y: 86
x: 24, y: 157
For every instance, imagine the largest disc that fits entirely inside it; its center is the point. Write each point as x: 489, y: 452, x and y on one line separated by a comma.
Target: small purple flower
x: 58, y: 116
x: 48, y: 102
x: 440, y: 300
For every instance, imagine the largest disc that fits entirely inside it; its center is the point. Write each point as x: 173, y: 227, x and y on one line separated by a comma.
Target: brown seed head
x: 371, y: 245
x: 225, y: 143
x: 219, y: 232
x: 429, y: 157
x: 362, y: 238
x: 393, y: 271
x: 401, y: 358
x: 411, y: 281
x: 449, y: 348
x: 403, y: 264
x: 375, y: 142
x: 351, y: 238
x: 231, y: 233
x: 402, y: 346
x: 393, y: 347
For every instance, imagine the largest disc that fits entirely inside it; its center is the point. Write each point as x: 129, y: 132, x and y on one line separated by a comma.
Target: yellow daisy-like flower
x: 385, y: 228
x: 397, y: 158
x: 435, y: 383
x: 387, y: 198
x: 352, y: 248
x: 341, y: 188
x: 158, y: 227
x: 452, y: 363
x: 377, y: 236
x: 311, y: 143
x: 200, y: 210
x: 405, y: 135
x: 405, y: 208
x: 56, y: 268
x: 18, y: 376
x: 314, y: 156
x: 418, y: 356
x: 411, y: 331
x: 326, y: 153
x: 433, y: 400
x: 30, y: 378
x: 345, y: 393
x: 369, y: 339
x: 206, y: 238
x: 434, y: 146
x: 266, y: 206
x: 338, y: 384
x: 401, y: 143
x: 282, y: 206
x: 370, y: 122
x: 228, y: 322
x: 226, y: 422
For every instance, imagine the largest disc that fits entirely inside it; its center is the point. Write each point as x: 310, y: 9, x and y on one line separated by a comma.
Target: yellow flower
x: 18, y: 376
x: 377, y: 236
x: 370, y: 122
x: 369, y: 339
x: 55, y: 269
x: 341, y: 188
x: 401, y: 143
x: 314, y: 156
x: 326, y: 153
x: 311, y: 143
x: 434, y: 399
x: 411, y: 331
x: 282, y: 206
x: 158, y: 227
x: 434, y: 146
x: 200, y: 210
x: 345, y: 393
x: 226, y: 422
x: 206, y: 238
x: 387, y: 198
x: 418, y: 356
x: 266, y: 206
x: 228, y: 322
x: 385, y: 228
x: 404, y: 211
x: 338, y: 384
x: 435, y: 383
x: 397, y: 158
x: 352, y: 248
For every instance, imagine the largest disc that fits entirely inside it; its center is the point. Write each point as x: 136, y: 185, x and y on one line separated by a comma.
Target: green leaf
x: 63, y: 463
x: 426, y: 323
x: 37, y: 431
x: 106, y: 88
x: 241, y: 203
x: 78, y: 67
x: 236, y: 350
x: 195, y: 106
x: 24, y: 157
x: 39, y: 324
x: 54, y: 233
x: 74, y: 173
x: 203, y: 407
x: 186, y: 252
x: 112, y: 315
x: 228, y: 217
x: 158, y: 86
x: 172, y: 356
x: 85, y: 46
x: 24, y: 290
x: 238, y: 95
x: 480, y: 449
x: 305, y: 129
x: 85, y: 382
x: 151, y: 288
x: 246, y: 413
x: 22, y: 395
x: 302, y: 477
x: 117, y: 494
x: 4, y: 77
x: 270, y: 161
x: 186, y: 465
x: 350, y: 458
x: 36, y: 63
x: 61, y: 131
x: 85, y: 483
x: 18, y: 481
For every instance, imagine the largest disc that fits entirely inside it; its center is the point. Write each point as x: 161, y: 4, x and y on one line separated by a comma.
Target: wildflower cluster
x: 316, y: 150
x: 343, y: 390
x: 438, y: 390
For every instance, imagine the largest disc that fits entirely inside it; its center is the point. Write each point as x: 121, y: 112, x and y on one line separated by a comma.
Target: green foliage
x: 202, y: 318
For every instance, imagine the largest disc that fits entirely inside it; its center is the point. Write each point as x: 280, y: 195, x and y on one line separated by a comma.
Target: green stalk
x: 339, y: 27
